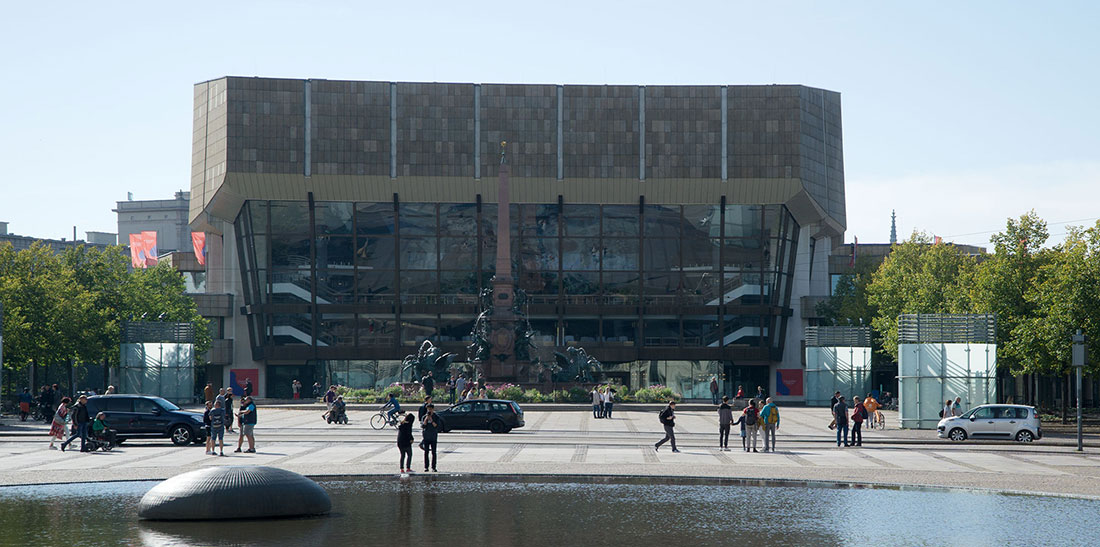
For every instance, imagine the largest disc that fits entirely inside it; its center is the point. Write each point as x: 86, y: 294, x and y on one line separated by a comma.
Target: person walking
x: 460, y: 387
x: 248, y: 387
x: 80, y: 419
x: 946, y: 412
x: 217, y: 427
x: 57, y: 427
x: 769, y: 417
x: 429, y: 383
x: 597, y: 403
x: 832, y: 405
x: 229, y: 411
x: 725, y: 419
x: 248, y: 425
x: 761, y: 394
x: 714, y: 390
x: 429, y: 433
x: 859, y: 413
x: 870, y: 404
x: 840, y: 418
x: 404, y: 443
x: 208, y: 393
x: 329, y: 398
x: 957, y: 407
x: 744, y: 439
x: 25, y: 400
x: 296, y: 389
x: 668, y: 421
x: 451, y: 389
x: 608, y: 402
x: 317, y: 392
x: 751, y: 416
x: 420, y: 412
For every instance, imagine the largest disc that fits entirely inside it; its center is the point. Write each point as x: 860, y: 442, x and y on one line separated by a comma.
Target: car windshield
x: 166, y: 404
x: 969, y: 413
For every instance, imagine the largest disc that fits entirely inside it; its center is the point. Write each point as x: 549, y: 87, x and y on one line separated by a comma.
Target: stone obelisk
x: 502, y: 364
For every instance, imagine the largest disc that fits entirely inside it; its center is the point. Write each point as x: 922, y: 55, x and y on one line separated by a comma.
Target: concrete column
x: 477, y: 131
x: 725, y: 132
x: 641, y: 132
x: 308, y: 130
x: 393, y: 130
x: 561, y: 118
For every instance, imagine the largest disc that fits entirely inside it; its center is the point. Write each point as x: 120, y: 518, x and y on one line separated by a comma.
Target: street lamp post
x: 1079, y: 363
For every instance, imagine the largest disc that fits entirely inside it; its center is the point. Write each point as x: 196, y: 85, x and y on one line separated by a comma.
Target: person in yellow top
x: 872, y: 407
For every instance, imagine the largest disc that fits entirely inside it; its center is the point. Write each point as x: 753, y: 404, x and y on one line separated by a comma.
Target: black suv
x: 146, y: 416
x: 496, y: 415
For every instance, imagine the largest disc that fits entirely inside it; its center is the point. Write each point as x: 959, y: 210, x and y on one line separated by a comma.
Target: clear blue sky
x: 958, y: 115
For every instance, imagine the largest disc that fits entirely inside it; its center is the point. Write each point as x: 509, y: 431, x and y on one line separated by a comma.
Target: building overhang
x: 236, y: 188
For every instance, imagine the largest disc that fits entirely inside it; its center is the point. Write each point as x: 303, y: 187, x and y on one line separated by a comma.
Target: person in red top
x: 859, y: 413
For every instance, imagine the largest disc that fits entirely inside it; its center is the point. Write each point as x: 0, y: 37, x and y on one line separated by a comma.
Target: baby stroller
x: 338, y: 415
x: 105, y: 441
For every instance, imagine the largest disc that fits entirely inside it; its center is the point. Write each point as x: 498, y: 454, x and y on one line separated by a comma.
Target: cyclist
x: 393, y: 406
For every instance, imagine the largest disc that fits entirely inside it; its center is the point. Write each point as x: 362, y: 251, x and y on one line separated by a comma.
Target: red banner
x: 198, y: 241
x: 137, y: 251
x: 149, y: 238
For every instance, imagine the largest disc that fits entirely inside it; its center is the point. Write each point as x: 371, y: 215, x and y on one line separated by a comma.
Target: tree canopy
x: 72, y: 305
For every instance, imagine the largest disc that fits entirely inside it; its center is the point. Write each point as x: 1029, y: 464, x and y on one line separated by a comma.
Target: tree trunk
x: 1065, y: 396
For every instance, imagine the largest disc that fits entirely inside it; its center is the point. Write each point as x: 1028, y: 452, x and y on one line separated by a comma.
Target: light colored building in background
x: 19, y: 242
x: 168, y: 217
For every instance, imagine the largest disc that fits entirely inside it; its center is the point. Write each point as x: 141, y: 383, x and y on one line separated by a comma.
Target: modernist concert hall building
x: 675, y: 232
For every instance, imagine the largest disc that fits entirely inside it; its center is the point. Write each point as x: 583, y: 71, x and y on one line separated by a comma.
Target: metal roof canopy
x: 922, y: 328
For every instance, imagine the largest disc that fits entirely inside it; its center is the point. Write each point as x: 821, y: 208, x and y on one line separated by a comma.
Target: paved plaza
x: 573, y: 443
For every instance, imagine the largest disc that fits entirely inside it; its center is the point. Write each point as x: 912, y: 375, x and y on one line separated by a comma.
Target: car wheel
x: 181, y: 435
x: 957, y: 434
x: 1024, y: 436
x: 496, y: 426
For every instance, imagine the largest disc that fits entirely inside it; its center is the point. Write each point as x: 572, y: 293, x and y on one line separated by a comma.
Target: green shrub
x: 533, y: 396
x: 579, y: 395
x: 558, y: 396
x: 655, y: 394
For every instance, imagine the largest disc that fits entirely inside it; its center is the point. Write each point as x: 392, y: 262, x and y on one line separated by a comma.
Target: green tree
x: 1065, y: 297
x: 44, y: 308
x: 1001, y: 283
x: 850, y: 301
x: 918, y: 277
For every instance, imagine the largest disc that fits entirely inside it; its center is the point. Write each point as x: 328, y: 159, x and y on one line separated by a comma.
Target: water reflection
x: 450, y: 511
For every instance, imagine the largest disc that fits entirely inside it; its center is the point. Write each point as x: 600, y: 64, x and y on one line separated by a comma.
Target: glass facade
x: 355, y: 283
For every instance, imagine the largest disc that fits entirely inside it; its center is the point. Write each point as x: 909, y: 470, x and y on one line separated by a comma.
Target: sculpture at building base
x: 577, y: 365
x: 427, y: 358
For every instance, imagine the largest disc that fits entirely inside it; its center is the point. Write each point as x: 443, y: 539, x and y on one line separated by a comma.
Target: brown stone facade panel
x: 764, y: 139
x: 683, y: 132
x: 526, y: 117
x: 435, y: 130
x: 266, y: 125
x: 600, y: 131
x: 350, y: 127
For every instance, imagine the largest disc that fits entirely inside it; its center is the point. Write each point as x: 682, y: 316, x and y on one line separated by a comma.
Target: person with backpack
x: 946, y: 412
x: 751, y: 416
x: 840, y: 416
x: 668, y: 420
x: 859, y: 413
x: 769, y: 416
x: 725, y: 419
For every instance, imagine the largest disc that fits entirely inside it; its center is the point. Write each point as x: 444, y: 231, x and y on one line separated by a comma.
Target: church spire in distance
x: 893, y: 227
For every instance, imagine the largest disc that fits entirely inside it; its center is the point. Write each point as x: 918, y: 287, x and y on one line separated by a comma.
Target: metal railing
x: 921, y: 328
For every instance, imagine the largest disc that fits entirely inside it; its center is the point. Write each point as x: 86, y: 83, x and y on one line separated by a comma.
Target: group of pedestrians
x: 603, y: 401
x: 851, y: 418
x: 218, y: 420
x: 758, y: 417
x: 429, y: 436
